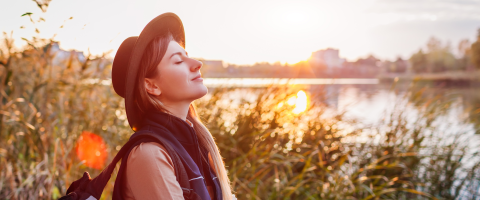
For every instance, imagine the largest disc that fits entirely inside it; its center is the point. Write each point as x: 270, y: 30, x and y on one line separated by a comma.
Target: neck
x: 178, y: 109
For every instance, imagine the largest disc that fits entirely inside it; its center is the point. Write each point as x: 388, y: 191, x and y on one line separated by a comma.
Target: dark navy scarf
x: 183, y: 139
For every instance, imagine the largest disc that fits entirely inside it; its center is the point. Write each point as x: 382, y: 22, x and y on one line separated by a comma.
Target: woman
x: 159, y: 83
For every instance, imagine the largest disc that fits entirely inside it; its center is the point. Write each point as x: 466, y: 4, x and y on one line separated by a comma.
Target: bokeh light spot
x: 91, y: 148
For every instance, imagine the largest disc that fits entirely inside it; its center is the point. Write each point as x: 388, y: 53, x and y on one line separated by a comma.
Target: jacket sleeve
x: 151, y: 174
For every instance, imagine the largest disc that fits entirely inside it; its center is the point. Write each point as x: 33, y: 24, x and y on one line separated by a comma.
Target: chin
x: 201, y: 91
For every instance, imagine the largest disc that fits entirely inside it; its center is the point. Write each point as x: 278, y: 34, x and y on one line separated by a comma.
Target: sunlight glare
x: 301, y: 102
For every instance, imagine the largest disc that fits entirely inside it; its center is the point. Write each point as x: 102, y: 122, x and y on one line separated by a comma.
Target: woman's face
x: 179, y: 79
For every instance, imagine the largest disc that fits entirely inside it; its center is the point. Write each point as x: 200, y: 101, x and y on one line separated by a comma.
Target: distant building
x: 214, y: 63
x: 328, y: 57
x: 213, y: 67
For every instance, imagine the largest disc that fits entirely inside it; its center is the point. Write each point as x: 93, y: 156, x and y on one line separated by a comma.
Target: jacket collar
x: 181, y: 129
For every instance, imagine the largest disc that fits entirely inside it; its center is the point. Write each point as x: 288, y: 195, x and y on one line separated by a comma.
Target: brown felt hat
x: 126, y: 63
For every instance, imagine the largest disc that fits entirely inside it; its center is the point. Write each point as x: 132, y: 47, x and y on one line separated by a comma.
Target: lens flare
x: 92, y: 149
x: 300, y: 102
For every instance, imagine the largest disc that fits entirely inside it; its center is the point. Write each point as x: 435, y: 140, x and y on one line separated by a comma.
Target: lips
x: 198, y: 77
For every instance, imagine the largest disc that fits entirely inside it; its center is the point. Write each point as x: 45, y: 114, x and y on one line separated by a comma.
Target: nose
x: 196, y: 65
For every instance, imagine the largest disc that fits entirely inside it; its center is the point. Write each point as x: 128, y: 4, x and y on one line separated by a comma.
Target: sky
x: 249, y: 31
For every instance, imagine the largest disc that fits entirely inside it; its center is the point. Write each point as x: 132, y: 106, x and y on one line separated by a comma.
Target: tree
x: 418, y: 62
x: 475, y: 52
x: 464, y: 51
x: 439, y: 57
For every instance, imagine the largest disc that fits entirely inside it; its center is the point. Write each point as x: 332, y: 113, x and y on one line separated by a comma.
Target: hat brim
x: 167, y: 22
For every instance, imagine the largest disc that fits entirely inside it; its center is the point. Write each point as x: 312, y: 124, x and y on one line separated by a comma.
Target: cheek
x: 173, y: 79
x: 175, y: 75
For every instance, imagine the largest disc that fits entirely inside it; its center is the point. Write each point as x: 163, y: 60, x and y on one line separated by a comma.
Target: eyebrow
x: 177, y: 53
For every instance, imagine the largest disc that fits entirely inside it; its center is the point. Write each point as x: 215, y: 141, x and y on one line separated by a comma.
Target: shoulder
x: 150, y: 154
x: 150, y: 174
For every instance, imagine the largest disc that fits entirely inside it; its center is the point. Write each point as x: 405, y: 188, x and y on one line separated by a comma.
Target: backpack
x: 87, y: 188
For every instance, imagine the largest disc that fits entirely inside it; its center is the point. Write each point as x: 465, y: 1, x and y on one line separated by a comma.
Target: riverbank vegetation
x: 48, y: 98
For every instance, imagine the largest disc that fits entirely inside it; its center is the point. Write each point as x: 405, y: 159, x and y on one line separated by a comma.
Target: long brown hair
x: 145, y: 101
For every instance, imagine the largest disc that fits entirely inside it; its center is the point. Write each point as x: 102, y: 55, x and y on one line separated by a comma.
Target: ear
x: 151, y: 87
